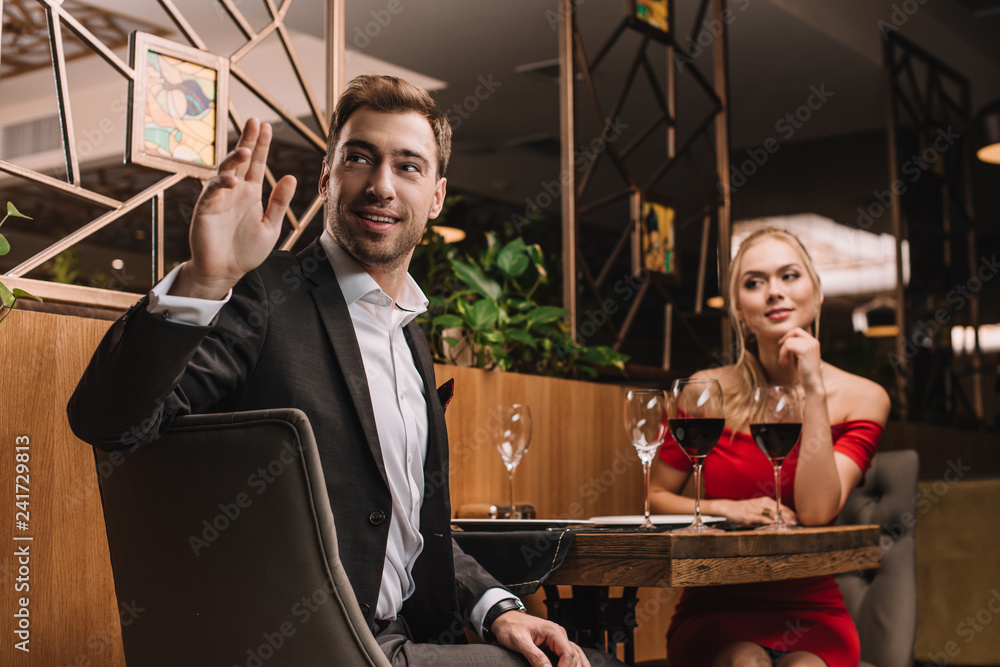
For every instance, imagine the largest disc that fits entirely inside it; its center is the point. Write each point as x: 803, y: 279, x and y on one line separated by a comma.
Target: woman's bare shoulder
x: 851, y: 397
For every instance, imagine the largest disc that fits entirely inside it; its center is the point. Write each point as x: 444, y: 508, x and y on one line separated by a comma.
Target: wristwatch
x: 502, y: 607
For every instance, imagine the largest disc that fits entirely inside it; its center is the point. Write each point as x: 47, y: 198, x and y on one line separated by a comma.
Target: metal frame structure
x: 923, y: 106
x: 571, y: 50
x: 59, y: 19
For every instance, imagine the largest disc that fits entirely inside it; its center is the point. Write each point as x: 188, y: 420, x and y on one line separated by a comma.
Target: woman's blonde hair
x: 749, y: 373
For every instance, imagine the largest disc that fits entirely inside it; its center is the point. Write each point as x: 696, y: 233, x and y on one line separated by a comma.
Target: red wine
x: 696, y: 436
x: 776, y: 440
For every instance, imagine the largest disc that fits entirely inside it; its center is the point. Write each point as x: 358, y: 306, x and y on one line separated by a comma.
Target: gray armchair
x: 883, y: 602
x: 222, y: 541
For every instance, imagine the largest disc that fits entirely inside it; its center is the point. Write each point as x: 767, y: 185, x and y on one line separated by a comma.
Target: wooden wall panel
x: 579, y: 464
x: 72, y: 608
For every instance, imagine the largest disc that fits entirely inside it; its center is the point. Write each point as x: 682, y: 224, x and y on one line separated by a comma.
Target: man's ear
x: 439, y: 194
x: 324, y: 180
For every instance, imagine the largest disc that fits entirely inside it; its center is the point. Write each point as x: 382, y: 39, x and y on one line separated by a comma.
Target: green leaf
x: 545, y: 315
x: 493, y: 337
x: 534, y: 252
x: 14, y: 213
x: 519, y: 304
x: 477, y: 280
x: 4, y: 245
x: 489, y: 256
x: 448, y: 321
x: 523, y: 337
x: 6, y: 298
x: 18, y: 293
x: 450, y: 340
x: 483, y: 315
x: 513, y: 260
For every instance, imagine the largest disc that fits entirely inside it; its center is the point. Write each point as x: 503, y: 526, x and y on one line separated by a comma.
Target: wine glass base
x: 778, y: 527
x: 696, y: 528
x: 648, y: 525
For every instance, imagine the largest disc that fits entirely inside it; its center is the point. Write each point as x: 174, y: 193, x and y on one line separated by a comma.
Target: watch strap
x: 501, y: 607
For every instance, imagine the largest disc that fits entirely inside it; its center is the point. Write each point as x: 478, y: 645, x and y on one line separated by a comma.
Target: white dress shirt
x: 398, y: 401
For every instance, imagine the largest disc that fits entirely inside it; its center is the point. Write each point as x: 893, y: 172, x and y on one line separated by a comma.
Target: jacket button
x: 376, y: 517
x: 365, y: 609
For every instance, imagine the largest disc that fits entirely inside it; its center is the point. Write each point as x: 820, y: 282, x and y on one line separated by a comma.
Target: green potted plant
x: 8, y: 298
x: 486, y: 307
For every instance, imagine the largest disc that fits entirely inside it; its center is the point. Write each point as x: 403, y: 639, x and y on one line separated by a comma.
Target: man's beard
x: 369, y: 249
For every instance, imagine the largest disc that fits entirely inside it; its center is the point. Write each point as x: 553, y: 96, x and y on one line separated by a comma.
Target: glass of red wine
x: 775, y: 425
x: 644, y: 425
x: 696, y: 416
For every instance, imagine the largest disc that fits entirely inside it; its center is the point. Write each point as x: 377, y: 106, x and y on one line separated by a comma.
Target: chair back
x: 883, y: 602
x: 223, y: 547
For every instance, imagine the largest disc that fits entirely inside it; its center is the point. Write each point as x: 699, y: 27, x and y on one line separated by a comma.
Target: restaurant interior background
x: 808, y: 132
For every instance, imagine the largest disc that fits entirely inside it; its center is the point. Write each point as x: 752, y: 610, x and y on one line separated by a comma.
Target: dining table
x: 592, y: 558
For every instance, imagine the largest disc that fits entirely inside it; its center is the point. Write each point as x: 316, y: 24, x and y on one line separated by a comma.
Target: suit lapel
x: 436, y: 464
x: 336, y: 319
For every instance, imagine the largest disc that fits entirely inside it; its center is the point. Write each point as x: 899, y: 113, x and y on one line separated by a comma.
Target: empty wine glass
x: 697, y: 417
x: 644, y: 425
x: 775, y: 425
x: 512, y: 434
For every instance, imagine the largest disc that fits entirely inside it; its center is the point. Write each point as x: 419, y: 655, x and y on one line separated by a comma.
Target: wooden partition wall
x: 73, y: 617
x: 579, y: 463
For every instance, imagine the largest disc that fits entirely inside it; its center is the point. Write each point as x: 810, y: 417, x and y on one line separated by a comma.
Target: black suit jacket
x: 285, y: 339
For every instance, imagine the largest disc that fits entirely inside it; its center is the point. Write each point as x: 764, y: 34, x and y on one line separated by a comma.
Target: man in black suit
x: 329, y: 331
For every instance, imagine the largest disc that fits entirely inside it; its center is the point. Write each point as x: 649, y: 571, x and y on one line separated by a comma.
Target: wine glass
x: 644, y: 425
x: 775, y: 425
x: 512, y: 433
x: 697, y: 417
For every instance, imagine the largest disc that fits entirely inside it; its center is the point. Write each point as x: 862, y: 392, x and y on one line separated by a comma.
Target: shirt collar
x: 356, y: 283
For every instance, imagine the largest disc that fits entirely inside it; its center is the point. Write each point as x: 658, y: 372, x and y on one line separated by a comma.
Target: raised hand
x: 231, y: 233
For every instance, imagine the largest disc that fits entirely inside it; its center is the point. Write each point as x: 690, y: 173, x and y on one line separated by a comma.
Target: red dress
x: 791, y: 615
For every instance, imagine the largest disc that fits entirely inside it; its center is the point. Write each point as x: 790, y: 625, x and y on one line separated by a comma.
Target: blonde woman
x: 775, y: 299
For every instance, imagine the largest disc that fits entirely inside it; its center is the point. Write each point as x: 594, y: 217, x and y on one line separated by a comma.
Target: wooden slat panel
x: 74, y: 617
x: 579, y: 463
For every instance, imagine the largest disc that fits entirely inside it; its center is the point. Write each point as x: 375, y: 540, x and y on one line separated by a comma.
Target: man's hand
x: 525, y: 633
x: 231, y: 233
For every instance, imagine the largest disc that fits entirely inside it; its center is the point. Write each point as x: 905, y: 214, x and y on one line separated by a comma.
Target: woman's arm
x: 865, y: 401
x: 823, y: 478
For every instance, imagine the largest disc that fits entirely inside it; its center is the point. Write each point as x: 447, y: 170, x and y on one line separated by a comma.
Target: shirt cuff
x: 182, y: 309
x: 490, y: 598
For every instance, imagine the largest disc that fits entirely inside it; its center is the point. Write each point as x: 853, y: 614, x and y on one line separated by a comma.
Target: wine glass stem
x: 697, y: 492
x: 510, y: 481
x: 777, y: 494
x: 645, y: 477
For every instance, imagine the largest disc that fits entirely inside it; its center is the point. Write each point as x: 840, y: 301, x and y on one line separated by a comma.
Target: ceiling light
x: 716, y: 302
x: 449, y: 234
x: 988, y: 128
x: 877, y: 318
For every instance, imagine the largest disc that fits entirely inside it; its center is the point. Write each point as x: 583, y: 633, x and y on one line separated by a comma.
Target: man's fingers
x: 236, y: 162
x: 574, y: 658
x: 280, y: 199
x: 258, y: 160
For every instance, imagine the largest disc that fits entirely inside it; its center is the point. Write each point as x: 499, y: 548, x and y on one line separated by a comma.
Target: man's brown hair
x: 390, y: 94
